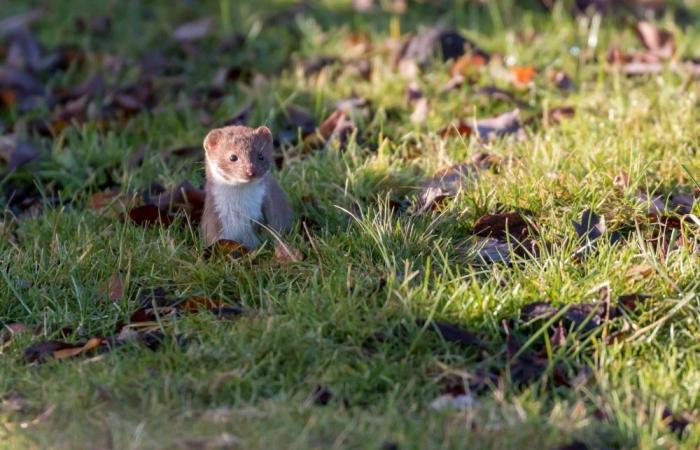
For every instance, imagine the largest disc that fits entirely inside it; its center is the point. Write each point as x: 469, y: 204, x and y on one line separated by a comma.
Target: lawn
x: 531, y: 281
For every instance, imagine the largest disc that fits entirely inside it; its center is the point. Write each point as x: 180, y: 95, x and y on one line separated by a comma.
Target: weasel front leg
x: 275, y: 207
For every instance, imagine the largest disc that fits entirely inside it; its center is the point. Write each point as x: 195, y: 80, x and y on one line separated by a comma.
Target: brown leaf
x: 448, y: 182
x: 467, y: 65
x: 657, y: 41
x: 338, y: 126
x: 182, y: 196
x: 488, y: 129
x: 152, y: 315
x: 492, y: 251
x: 101, y: 200
x: 193, y: 31
x: 44, y: 350
x: 585, y: 316
x: 444, y: 184
x: 149, y: 215
x: 199, y: 303
x: 537, y: 311
x: 71, y: 352
x: 500, y: 226
x: 589, y: 230
x: 228, y: 248
x: 631, y: 301
x: 287, y: 254
x: 116, y: 287
x: 522, y: 75
x: 558, y: 339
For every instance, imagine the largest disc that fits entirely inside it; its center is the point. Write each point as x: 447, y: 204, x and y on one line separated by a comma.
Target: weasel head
x: 237, y: 154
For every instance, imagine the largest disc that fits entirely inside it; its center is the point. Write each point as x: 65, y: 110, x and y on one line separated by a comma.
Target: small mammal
x: 241, y: 194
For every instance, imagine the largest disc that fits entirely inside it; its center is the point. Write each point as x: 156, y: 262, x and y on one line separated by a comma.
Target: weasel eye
x: 233, y: 158
x: 261, y: 157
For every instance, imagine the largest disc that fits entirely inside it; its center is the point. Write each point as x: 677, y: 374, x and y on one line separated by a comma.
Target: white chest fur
x: 239, y: 207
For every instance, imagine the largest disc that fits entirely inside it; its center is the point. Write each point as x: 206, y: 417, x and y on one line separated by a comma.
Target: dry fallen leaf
x: 591, y: 227
x: 46, y: 350
x: 116, y: 287
x: 64, y: 353
x: 228, y: 248
x: 501, y: 226
x: 148, y: 215
x: 467, y: 65
x: 657, y: 41
x: 523, y: 75
x: 639, y: 272
x: 444, y: 184
x: 449, y: 182
x: 492, y: 251
x: 286, y: 254
x: 490, y: 128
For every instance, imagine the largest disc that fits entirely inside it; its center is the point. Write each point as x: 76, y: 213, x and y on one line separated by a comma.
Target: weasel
x: 241, y: 194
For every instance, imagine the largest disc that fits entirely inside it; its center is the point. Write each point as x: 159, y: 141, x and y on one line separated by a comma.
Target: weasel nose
x: 250, y: 173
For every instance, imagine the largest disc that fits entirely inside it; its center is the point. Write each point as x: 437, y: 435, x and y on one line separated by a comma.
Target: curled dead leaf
x: 226, y: 247
x: 115, y: 290
x: 501, y: 226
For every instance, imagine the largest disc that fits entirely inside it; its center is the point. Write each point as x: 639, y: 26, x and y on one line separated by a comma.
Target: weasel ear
x: 265, y: 132
x: 212, y: 140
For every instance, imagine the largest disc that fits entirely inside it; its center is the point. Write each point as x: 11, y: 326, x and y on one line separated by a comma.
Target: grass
x: 367, y: 270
